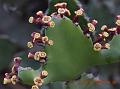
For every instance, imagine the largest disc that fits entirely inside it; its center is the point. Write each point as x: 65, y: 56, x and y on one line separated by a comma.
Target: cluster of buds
x: 13, y: 76
x: 37, y: 38
x: 61, y: 9
x: 42, y: 19
x: 78, y: 13
x: 99, y: 46
x: 118, y: 24
x: 38, y: 81
x: 90, y: 28
x: 106, y: 35
x: 38, y: 56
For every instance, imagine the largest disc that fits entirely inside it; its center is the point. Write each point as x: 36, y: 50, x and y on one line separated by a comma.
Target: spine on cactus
x: 101, y: 41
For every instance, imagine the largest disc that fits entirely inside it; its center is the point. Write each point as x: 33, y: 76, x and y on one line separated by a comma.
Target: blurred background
x: 15, y: 33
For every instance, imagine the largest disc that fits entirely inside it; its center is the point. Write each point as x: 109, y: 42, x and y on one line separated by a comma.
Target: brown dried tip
x: 37, y: 35
x: 97, y: 46
x: 67, y: 12
x: 79, y: 12
x: 35, y: 87
x: 44, y: 74
x: 38, y: 81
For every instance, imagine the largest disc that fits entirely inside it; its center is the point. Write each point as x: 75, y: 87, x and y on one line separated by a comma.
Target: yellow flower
x: 35, y: 87
x: 61, y: 11
x: 14, y: 79
x: 79, y: 12
x: 50, y: 42
x: 44, y: 74
x: 46, y: 19
x: 37, y: 56
x: 37, y: 35
x: 97, y: 46
x: 38, y: 81
x: 43, y: 54
x: 52, y: 24
x: 91, y: 27
x: 107, y: 45
x: 44, y: 39
x: 30, y: 45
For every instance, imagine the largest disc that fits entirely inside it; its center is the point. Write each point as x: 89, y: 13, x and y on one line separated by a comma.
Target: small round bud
x: 118, y: 22
x: 103, y: 27
x: 91, y: 27
x: 112, y: 29
x: 118, y: 17
x: 97, y: 46
x: 38, y: 81
x: 60, y: 5
x: 30, y: 45
x: 17, y: 59
x: 94, y: 22
x: 31, y: 19
x: 61, y: 11
x: 107, y: 45
x: 46, y: 19
x: 105, y: 34
x: 39, y: 13
x: 30, y: 55
x: 35, y: 87
x: 50, y: 42
x: 79, y: 12
x: 52, y: 24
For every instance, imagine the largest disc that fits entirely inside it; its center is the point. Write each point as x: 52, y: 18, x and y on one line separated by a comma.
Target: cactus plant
x: 69, y: 48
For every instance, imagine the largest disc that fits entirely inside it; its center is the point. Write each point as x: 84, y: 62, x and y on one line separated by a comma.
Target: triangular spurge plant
x: 68, y: 49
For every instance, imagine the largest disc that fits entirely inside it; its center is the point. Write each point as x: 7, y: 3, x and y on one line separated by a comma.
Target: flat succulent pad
x: 71, y: 54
